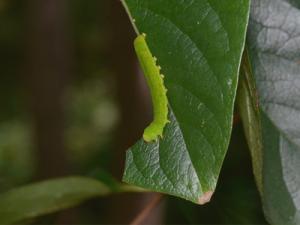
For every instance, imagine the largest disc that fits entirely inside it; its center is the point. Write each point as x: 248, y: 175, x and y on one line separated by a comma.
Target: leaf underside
x: 198, y: 45
x: 274, y: 47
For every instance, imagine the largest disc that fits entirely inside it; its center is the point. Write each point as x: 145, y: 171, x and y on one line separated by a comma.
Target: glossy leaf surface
x: 198, y: 45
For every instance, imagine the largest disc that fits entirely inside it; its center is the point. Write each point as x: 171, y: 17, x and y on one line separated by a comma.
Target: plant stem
x: 145, y: 213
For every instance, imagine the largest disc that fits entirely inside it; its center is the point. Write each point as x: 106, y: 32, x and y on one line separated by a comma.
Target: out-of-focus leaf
x: 274, y: 47
x: 45, y: 197
x: 248, y: 107
x: 198, y: 45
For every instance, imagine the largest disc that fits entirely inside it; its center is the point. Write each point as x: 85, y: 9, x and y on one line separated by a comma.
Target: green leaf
x: 273, y: 42
x: 198, y: 45
x: 45, y: 197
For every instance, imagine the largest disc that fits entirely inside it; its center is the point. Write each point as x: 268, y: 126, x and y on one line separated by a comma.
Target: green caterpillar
x: 157, y: 89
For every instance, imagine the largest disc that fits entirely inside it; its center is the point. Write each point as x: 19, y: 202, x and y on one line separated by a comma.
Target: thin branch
x: 144, y: 214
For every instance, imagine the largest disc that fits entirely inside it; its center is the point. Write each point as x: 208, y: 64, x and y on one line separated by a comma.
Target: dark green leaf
x: 274, y: 46
x: 198, y: 45
x: 47, y: 197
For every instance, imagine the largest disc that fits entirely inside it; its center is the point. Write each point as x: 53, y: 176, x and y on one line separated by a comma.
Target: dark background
x: 73, y: 100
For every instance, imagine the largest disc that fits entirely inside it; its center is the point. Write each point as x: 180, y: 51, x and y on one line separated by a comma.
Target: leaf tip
x: 205, y: 198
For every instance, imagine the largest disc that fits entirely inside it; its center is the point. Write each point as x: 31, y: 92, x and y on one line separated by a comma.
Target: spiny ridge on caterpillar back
x: 155, y: 81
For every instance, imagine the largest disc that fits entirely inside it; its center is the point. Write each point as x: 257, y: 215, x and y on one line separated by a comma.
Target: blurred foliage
x: 46, y: 197
x: 16, y: 160
x: 90, y: 106
x: 92, y: 115
x: 11, y: 59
